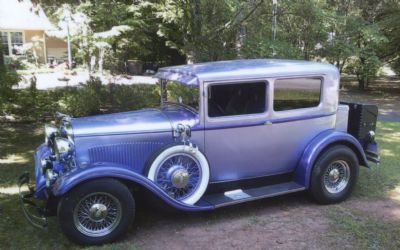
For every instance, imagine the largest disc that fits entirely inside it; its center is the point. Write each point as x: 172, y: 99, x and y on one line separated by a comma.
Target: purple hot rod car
x: 225, y: 133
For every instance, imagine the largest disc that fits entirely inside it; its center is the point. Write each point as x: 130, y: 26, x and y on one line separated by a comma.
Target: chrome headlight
x: 49, y: 131
x: 66, y: 130
x: 62, y: 146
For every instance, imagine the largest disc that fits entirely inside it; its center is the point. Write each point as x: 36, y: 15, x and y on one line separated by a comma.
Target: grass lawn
x: 350, y: 225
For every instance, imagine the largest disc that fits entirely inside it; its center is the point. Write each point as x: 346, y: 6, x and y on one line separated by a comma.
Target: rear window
x: 296, y: 93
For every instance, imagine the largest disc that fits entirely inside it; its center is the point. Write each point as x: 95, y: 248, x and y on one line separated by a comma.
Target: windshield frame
x: 164, y: 96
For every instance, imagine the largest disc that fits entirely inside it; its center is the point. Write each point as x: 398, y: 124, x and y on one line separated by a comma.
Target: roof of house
x: 22, y: 15
x: 242, y: 69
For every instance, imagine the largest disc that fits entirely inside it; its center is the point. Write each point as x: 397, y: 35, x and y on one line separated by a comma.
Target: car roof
x: 191, y: 74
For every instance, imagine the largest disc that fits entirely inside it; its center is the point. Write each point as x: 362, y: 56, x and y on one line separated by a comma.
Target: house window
x: 16, y: 43
x: 296, y: 93
x: 12, y: 43
x: 236, y: 99
x: 4, y: 41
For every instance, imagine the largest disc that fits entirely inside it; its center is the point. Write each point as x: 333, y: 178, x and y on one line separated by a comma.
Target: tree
x: 389, y: 21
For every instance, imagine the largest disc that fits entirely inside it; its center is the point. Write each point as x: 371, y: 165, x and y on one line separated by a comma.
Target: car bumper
x: 372, y: 152
x: 33, y: 212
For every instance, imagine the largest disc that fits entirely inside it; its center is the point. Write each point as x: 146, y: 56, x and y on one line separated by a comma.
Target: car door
x: 236, y: 128
x: 245, y: 137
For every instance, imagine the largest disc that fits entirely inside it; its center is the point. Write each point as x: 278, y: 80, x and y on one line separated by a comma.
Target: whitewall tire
x: 182, y: 171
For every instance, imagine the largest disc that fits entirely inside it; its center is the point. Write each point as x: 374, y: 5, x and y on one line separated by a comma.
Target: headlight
x: 62, y: 146
x: 49, y: 131
x: 66, y: 130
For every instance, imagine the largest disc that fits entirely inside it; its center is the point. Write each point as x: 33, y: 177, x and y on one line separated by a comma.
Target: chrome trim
x: 50, y: 176
x: 97, y: 214
x: 50, y: 131
x: 252, y: 198
x: 62, y: 145
x: 336, y: 176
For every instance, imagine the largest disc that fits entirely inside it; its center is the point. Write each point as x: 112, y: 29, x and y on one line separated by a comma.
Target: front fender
x: 112, y: 170
x: 317, y: 145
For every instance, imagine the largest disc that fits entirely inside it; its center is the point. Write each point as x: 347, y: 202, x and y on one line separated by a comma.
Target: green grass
x: 361, y: 231
x: 379, y: 179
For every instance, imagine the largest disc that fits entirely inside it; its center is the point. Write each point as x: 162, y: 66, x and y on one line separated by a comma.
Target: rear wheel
x: 96, y: 212
x: 334, y: 175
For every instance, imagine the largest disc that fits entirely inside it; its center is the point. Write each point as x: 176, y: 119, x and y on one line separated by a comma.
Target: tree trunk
x: 361, y: 80
x: 361, y: 75
x: 361, y: 83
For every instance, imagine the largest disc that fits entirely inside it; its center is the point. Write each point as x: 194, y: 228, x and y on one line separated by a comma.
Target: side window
x: 296, y: 93
x: 236, y: 99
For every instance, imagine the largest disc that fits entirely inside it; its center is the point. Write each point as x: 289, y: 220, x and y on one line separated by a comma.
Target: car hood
x: 140, y: 121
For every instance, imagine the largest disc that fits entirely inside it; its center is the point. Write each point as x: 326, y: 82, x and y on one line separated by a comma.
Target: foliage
x: 356, y: 36
x: 88, y: 99
x: 8, y: 78
x: 389, y: 21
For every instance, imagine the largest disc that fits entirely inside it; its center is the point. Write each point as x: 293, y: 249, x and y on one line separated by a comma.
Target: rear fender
x: 318, y: 145
x: 112, y: 170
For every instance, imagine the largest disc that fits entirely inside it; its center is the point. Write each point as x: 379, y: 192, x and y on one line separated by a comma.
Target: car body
x: 259, y: 128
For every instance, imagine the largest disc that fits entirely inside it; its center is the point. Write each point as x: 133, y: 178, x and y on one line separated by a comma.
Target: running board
x: 239, y: 195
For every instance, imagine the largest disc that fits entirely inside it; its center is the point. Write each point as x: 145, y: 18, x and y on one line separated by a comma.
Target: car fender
x: 122, y: 172
x: 318, y: 145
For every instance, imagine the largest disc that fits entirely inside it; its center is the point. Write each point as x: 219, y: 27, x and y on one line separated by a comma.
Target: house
x: 25, y: 27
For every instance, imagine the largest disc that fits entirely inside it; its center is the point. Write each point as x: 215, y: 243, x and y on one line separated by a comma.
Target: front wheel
x: 334, y: 175
x: 96, y: 212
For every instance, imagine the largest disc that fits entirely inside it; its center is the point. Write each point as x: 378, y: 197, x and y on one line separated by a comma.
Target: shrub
x: 8, y: 78
x: 94, y: 98
x: 90, y: 98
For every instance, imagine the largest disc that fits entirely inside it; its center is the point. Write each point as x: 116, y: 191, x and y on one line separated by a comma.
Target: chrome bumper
x: 33, y: 212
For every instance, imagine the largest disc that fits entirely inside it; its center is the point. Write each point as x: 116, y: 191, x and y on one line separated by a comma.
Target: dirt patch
x: 385, y: 209
x: 289, y: 222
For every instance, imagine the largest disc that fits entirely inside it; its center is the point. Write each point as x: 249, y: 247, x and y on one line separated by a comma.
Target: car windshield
x: 181, y: 94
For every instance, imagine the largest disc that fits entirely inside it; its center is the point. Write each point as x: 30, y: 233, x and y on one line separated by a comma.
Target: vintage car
x: 226, y: 132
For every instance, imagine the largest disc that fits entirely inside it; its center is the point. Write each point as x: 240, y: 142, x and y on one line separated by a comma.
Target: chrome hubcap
x: 334, y: 175
x: 180, y: 178
x: 337, y: 176
x: 97, y: 214
x: 179, y: 175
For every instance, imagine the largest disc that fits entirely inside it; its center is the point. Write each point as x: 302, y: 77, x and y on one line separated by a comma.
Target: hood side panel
x: 131, y: 150
x: 140, y: 121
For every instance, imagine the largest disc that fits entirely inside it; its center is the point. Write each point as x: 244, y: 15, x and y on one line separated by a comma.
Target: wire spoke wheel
x: 179, y: 175
x: 97, y: 214
x: 181, y: 171
x: 336, y: 176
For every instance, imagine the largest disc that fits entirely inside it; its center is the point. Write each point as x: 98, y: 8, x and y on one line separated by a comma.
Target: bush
x: 94, y: 98
x: 84, y: 100
x: 8, y: 78
x: 90, y: 98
